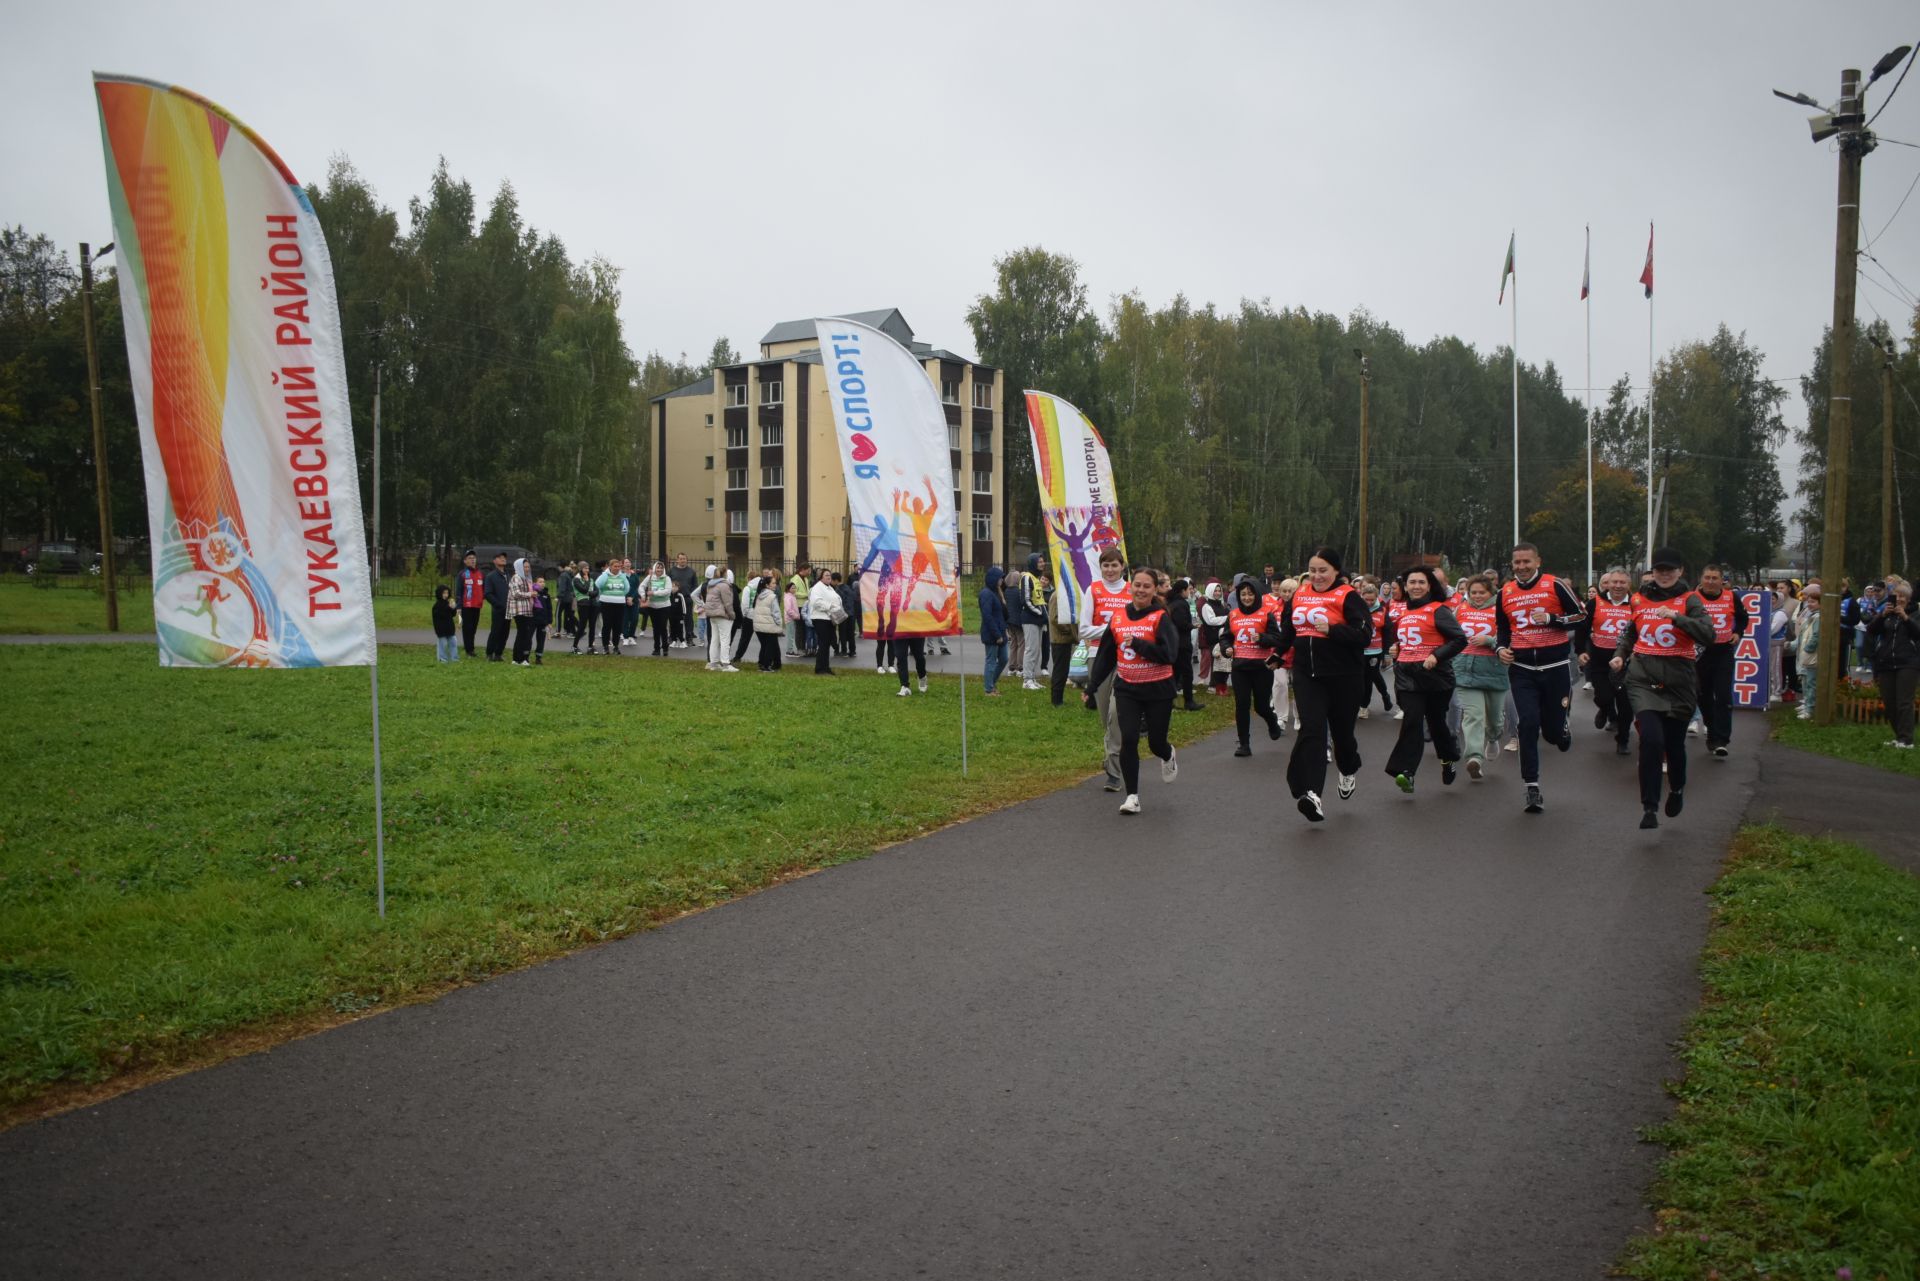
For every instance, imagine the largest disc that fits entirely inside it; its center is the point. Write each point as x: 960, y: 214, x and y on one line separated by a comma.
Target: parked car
x: 70, y: 558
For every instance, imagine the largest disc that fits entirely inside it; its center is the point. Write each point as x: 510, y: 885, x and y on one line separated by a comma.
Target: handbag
x: 1077, y: 666
x: 839, y: 615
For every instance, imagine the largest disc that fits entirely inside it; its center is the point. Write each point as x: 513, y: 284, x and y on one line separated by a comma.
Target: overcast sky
x: 1375, y: 157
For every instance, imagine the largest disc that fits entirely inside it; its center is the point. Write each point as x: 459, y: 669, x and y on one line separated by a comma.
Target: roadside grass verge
x: 187, y: 856
x: 77, y: 607
x: 1863, y: 744
x: 1795, y: 1150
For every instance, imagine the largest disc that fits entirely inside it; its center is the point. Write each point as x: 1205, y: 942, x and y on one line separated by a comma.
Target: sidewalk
x: 1819, y: 795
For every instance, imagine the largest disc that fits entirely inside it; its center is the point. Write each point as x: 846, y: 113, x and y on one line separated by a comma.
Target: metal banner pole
x: 379, y: 816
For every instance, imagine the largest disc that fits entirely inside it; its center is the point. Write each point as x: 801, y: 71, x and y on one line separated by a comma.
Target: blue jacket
x: 993, y: 610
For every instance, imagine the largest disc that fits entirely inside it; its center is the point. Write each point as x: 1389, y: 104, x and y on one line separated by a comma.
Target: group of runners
x: 1652, y: 655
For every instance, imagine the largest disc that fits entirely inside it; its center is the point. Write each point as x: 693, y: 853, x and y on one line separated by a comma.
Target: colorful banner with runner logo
x: 240, y: 388
x: 1077, y: 497
x: 892, y: 437
x: 1751, y: 655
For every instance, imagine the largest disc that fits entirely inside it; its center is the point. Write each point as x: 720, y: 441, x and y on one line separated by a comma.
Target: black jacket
x: 1415, y: 676
x: 1893, y: 642
x: 495, y: 589
x: 1343, y: 650
x: 1180, y: 610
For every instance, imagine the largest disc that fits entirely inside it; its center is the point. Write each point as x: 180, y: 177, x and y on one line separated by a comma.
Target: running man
x: 210, y: 594
x: 1656, y: 653
x: 1729, y: 616
x: 1535, y: 641
x: 1611, y: 610
x: 926, y: 551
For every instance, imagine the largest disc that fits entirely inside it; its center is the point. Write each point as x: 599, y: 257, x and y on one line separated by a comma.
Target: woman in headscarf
x: 520, y: 611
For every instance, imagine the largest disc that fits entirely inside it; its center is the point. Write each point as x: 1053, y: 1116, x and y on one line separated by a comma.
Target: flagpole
x: 960, y: 651
x: 1586, y: 288
x: 1649, y: 561
x: 379, y: 816
x: 1516, y: 404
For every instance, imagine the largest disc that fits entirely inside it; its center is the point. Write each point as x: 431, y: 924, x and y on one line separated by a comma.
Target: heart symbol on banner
x: 863, y: 448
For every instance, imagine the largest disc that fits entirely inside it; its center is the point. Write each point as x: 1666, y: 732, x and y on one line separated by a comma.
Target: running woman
x: 1376, y: 651
x: 1657, y: 653
x: 1106, y: 597
x: 1253, y: 630
x: 1729, y: 617
x: 1535, y: 641
x: 1138, y: 651
x: 1607, y: 618
x: 1325, y: 629
x: 1479, y: 678
x: 1425, y: 640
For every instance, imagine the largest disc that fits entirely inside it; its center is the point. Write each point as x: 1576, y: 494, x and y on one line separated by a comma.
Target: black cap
x: 1668, y: 558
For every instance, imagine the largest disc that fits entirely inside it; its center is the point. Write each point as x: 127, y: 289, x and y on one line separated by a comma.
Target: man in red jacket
x: 469, y: 592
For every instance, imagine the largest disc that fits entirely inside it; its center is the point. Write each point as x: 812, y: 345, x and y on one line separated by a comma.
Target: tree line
x: 513, y: 410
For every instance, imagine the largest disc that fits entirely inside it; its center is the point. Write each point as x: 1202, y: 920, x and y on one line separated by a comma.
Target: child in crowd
x: 542, y: 618
x: 446, y: 641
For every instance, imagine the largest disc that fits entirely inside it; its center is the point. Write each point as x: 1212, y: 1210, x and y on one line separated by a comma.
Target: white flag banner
x: 240, y: 388
x: 892, y: 438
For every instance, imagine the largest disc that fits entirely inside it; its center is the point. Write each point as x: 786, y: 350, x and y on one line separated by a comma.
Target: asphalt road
x: 1417, y: 1041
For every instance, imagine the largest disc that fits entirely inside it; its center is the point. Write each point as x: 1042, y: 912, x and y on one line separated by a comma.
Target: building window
x: 737, y: 436
x: 736, y: 522
x: 736, y: 478
x: 982, y: 395
x: 737, y: 396
x: 770, y: 392
x: 709, y: 420
x: 982, y: 481
x: 982, y: 440
x: 956, y: 480
x: 709, y: 504
x: 771, y: 435
x: 773, y: 521
x: 953, y: 435
x: 950, y: 390
x: 773, y: 477
x: 710, y: 541
x: 709, y: 462
x: 982, y: 527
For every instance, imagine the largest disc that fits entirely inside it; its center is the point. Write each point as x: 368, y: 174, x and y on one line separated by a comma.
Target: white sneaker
x: 1399, y: 713
x: 728, y: 667
x: 1803, y: 715
x: 1513, y: 745
x: 1695, y: 730
x: 1170, y: 768
x: 1363, y: 714
x: 905, y: 692
x: 713, y: 667
x: 1348, y: 784
x: 1130, y: 806
x: 880, y: 671
x: 1296, y: 721
x: 923, y: 684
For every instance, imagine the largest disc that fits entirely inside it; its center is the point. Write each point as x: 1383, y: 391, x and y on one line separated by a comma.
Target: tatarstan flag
x: 1646, y: 276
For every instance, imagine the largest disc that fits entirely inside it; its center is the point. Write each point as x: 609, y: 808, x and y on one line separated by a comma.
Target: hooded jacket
x: 993, y: 609
x: 1666, y: 686
x: 1269, y: 638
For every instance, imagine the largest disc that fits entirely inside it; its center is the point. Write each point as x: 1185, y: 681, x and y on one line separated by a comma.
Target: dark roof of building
x: 889, y: 322
x: 704, y: 387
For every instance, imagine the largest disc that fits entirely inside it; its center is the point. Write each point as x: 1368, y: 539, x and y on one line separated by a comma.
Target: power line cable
x: 1896, y: 210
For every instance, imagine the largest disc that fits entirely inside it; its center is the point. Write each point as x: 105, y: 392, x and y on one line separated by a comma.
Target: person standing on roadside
x: 495, y: 591
x: 1535, y: 641
x: 1062, y: 635
x: 849, y: 629
x: 1033, y: 620
x: 445, y: 642
x: 469, y: 593
x: 720, y: 607
x: 588, y: 603
x: 1893, y: 647
x: 611, y: 589
x: 684, y: 583
x: 823, y: 611
x: 563, y: 591
x: 993, y: 630
x: 657, y: 591
x: 520, y: 610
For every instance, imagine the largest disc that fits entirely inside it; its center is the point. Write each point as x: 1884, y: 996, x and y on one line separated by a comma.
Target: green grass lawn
x: 188, y: 853
x: 1850, y: 742
x: 77, y: 607
x: 1796, y: 1146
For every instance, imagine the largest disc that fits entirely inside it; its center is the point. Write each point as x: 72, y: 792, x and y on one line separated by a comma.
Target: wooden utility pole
x: 105, y: 494
x: 377, y: 371
x: 1366, y: 377
x: 1854, y: 142
x: 1886, y: 460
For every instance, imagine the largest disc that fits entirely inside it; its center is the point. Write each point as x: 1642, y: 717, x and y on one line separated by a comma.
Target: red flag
x: 1646, y: 277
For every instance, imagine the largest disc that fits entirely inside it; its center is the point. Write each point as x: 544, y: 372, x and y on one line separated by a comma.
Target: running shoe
x: 1274, y: 728
x: 1296, y: 721
x: 1621, y: 748
x: 905, y: 692
x: 1243, y: 750
x: 1720, y: 751
x: 1513, y: 745
x: 1130, y: 806
x: 1566, y: 740
x: 1675, y: 803
x: 923, y: 684
x: 1448, y: 773
x: 1364, y: 715
x: 1348, y: 782
x: 1475, y: 770
x: 1170, y: 768
x: 1404, y: 782
x: 1600, y: 719
x: 1649, y: 819
x: 1112, y: 784
x: 1399, y: 713
x: 729, y: 667
x: 1534, y: 802
x: 1309, y: 805
x: 1695, y: 729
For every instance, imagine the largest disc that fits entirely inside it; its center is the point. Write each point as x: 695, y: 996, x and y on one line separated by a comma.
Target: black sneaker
x: 1112, y: 785
x: 1675, y: 803
x: 1273, y: 727
x: 1566, y: 740
x: 1309, y: 805
x: 1649, y: 819
x: 1534, y: 802
x: 1448, y: 773
x: 1600, y: 719
x: 1620, y: 748
x: 1243, y: 750
x: 1720, y: 751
